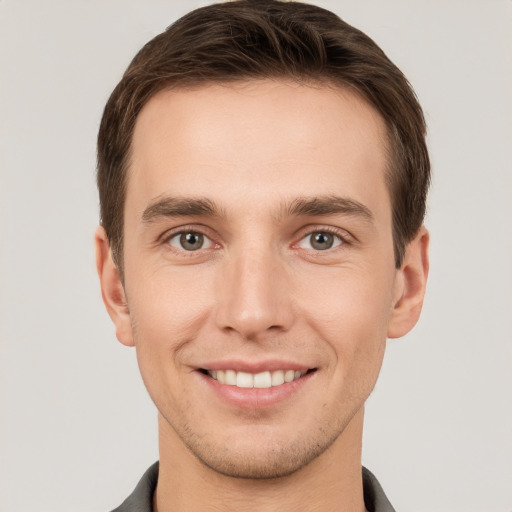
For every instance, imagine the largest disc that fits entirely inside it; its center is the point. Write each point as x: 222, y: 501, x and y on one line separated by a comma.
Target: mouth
x: 261, y: 380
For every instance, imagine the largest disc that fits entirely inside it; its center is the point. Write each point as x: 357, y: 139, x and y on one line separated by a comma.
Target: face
x: 260, y: 283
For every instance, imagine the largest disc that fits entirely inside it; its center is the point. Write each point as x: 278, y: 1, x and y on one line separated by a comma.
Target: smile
x: 265, y: 379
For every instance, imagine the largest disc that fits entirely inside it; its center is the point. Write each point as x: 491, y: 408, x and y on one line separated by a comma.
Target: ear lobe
x: 410, y: 286
x: 112, y: 289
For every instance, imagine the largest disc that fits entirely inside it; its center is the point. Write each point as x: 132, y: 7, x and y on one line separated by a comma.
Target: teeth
x: 230, y: 376
x: 277, y: 378
x: 244, y: 380
x: 289, y: 376
x: 258, y: 380
x: 263, y: 380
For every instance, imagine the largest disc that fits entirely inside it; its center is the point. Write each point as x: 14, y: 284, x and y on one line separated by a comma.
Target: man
x: 263, y: 173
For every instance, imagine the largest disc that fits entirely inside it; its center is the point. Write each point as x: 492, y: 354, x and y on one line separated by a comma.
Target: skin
x: 253, y: 159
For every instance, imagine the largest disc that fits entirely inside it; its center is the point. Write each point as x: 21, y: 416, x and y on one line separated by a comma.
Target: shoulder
x: 375, y: 499
x: 141, y: 499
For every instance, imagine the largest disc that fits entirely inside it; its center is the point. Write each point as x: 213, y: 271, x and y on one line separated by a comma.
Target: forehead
x: 257, y: 140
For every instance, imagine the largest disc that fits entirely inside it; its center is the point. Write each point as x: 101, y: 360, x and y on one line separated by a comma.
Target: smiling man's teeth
x: 255, y: 380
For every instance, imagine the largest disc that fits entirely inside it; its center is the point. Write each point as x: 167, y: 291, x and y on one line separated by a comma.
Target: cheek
x: 167, y: 310
x: 351, y: 310
x: 166, y: 300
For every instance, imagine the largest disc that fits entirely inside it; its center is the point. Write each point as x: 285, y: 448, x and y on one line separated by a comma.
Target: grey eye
x: 190, y: 241
x: 320, y: 241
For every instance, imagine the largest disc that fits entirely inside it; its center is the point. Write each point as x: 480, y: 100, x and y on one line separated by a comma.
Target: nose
x: 255, y: 295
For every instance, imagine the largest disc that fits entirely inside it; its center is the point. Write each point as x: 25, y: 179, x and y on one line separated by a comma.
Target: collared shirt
x: 141, y: 499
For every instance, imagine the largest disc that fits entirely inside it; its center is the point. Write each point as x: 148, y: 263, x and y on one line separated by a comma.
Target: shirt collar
x: 141, y: 499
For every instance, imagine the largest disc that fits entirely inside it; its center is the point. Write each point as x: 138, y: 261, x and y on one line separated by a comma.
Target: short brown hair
x: 257, y: 39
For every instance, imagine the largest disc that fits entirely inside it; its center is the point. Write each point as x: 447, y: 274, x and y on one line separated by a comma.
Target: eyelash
x: 166, y: 238
x: 343, y: 237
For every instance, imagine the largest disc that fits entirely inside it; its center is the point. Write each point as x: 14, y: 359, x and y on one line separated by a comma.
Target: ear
x: 410, y: 283
x: 112, y: 289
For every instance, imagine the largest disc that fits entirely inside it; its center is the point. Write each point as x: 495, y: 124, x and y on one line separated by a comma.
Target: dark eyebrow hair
x: 328, y: 205
x: 179, y: 207
x: 169, y: 206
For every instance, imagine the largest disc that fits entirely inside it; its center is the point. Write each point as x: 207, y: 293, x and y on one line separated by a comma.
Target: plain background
x: 76, y: 427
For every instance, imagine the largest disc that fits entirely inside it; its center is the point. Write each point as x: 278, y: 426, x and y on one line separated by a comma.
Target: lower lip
x: 256, y: 398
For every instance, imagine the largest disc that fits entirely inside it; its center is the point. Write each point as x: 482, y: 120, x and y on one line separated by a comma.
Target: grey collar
x: 141, y: 499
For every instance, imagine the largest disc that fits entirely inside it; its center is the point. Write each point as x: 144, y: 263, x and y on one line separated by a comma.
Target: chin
x: 262, y: 460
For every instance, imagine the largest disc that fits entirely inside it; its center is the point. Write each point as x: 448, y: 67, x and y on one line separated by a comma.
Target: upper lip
x: 254, y: 366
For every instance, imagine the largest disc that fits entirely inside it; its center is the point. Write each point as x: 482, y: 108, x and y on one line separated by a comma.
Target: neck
x: 331, y: 482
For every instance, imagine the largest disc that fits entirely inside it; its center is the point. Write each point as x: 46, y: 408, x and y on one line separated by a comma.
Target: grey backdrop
x: 76, y: 427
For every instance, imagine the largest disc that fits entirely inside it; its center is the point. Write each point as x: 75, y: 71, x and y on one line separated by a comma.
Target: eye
x: 320, y: 241
x: 190, y: 241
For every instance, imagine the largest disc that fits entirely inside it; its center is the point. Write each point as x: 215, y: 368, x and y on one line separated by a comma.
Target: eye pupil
x: 192, y: 241
x: 322, y: 241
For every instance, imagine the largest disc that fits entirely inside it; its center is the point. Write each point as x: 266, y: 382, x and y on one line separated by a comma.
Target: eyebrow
x: 328, y: 205
x: 179, y: 207
x: 169, y: 206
